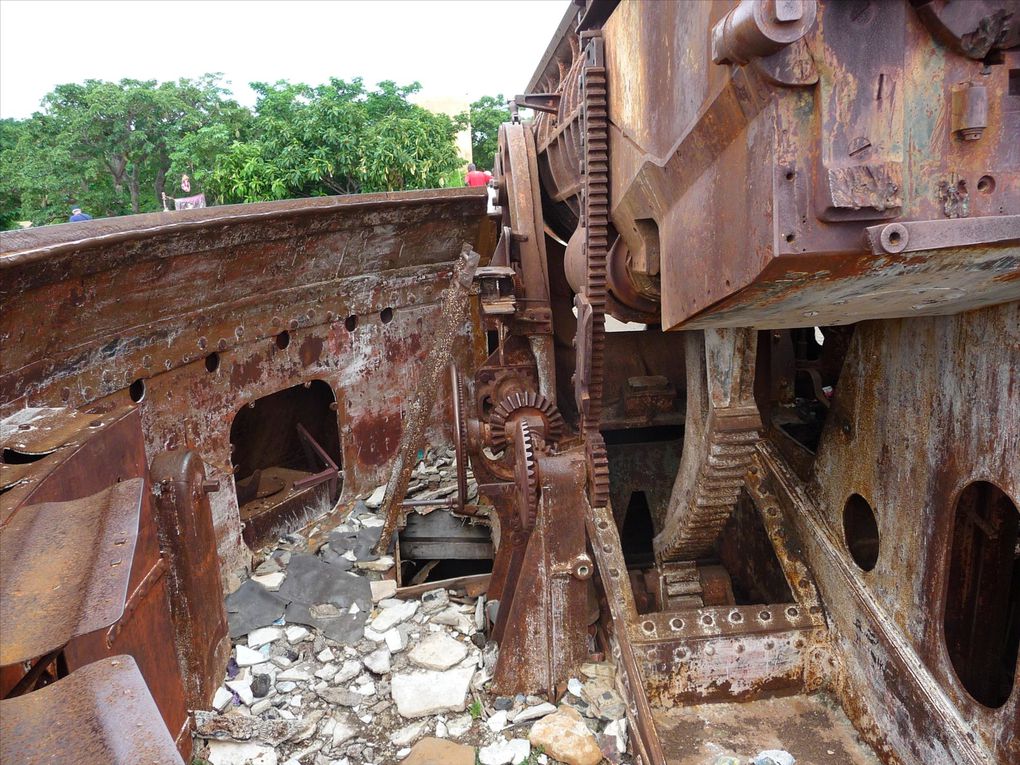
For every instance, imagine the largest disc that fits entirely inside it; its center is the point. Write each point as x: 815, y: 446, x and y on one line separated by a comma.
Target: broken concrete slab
x: 389, y: 618
x: 438, y: 651
x: 419, y: 694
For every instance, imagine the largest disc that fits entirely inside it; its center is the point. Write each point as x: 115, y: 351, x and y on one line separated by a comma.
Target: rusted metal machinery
x: 802, y: 471
x: 174, y: 388
x: 739, y: 386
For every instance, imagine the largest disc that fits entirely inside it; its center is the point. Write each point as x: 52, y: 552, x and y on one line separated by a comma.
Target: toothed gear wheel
x: 526, y: 475
x: 527, y: 404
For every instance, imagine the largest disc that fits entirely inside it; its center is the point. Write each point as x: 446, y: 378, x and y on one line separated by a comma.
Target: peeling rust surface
x: 78, y: 582
x: 87, y: 718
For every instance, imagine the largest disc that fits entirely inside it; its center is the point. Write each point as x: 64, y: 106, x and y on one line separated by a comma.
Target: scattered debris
x: 330, y: 667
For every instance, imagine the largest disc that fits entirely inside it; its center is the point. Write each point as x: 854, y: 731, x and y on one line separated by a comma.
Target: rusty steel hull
x: 794, y: 480
x: 152, y: 298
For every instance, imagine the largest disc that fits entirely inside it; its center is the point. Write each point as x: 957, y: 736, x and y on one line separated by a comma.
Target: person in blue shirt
x: 77, y: 215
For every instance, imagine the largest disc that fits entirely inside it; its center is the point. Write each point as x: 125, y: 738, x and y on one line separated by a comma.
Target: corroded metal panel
x: 106, y: 699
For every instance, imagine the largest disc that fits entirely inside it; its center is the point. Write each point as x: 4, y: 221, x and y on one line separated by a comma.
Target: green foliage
x: 487, y: 114
x: 104, y: 146
x: 337, y: 138
x: 475, y: 710
x: 114, y: 148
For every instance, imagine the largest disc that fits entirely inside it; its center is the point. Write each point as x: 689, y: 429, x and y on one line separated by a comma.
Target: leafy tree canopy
x: 110, y: 147
x: 487, y: 114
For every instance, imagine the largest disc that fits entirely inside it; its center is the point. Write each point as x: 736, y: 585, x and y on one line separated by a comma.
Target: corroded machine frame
x: 809, y: 215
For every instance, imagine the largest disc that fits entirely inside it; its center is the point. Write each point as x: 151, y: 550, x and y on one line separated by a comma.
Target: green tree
x: 336, y: 138
x: 105, y: 146
x: 487, y: 114
x: 110, y: 147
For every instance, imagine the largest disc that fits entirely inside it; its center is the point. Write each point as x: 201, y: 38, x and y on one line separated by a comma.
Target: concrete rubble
x: 332, y: 667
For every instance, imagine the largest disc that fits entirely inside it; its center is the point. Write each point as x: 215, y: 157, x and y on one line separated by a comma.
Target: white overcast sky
x: 454, y: 48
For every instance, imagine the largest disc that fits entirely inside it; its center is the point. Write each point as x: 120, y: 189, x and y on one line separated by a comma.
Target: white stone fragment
x: 261, y: 706
x: 391, y: 617
x: 382, y: 563
x: 514, y: 751
x: 349, y: 670
x: 574, y: 686
x: 395, y: 640
x: 438, y: 651
x: 497, y: 721
x: 297, y: 674
x: 435, y: 600
x: 342, y: 732
x: 375, y: 499
x: 365, y: 689
x: 378, y: 661
x: 325, y: 655
x: 264, y: 635
x: 534, y: 712
x: 243, y: 690
x: 408, y: 734
x: 296, y: 634
x: 221, y: 698
x: 384, y: 588
x: 617, y: 730
x: 452, y: 617
x: 419, y: 694
x: 460, y: 725
x: 327, y: 672
x: 372, y: 522
x: 270, y: 581
x: 246, y: 657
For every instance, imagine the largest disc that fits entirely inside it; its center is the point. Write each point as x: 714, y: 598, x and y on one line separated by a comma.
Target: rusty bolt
x: 210, y: 485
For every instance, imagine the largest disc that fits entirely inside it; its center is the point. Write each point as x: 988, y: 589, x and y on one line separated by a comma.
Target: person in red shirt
x: 475, y: 177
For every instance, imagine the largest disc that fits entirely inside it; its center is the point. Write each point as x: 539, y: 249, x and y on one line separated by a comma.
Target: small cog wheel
x: 526, y: 475
x: 543, y: 416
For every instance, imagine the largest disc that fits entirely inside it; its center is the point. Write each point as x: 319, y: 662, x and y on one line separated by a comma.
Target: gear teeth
x: 595, y: 123
x: 526, y: 475
x: 518, y: 402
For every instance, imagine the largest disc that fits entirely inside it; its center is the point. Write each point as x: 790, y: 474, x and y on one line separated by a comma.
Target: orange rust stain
x: 311, y: 350
x: 247, y: 372
x: 376, y: 438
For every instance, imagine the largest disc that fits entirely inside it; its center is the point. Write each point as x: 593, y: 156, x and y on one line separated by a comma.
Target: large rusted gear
x: 460, y: 435
x: 539, y: 411
x: 591, y: 311
x: 526, y: 475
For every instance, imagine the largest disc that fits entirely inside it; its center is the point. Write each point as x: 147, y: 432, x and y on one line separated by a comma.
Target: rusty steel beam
x: 418, y: 412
